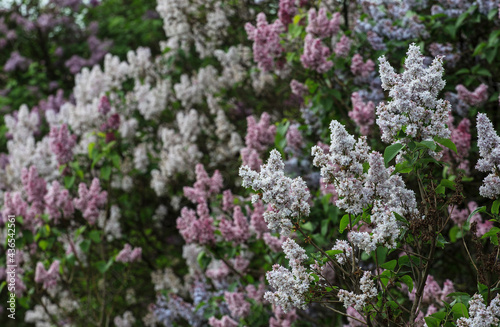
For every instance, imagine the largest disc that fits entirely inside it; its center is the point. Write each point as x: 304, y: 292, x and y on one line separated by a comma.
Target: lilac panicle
x: 62, y: 143
x: 319, y: 24
x: 315, y: 55
x: 90, y: 200
x: 57, y: 201
x: 47, y: 277
x: 489, y: 151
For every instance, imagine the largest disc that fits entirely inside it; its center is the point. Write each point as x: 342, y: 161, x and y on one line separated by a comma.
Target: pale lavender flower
x: 62, y: 143
x: 47, y: 277
x: 287, y: 11
x: 358, y: 301
x: 16, y: 61
x: 320, y: 26
x: 479, y: 314
x: 266, y: 47
x: 489, y: 151
x: 294, y: 138
x: 90, y: 200
x: 315, y: 55
x: 414, y: 103
x: 58, y: 203
x: 282, y: 318
x: 129, y: 255
x: 204, y: 187
x: 363, y: 114
x: 225, y: 321
x: 343, y: 46
x: 360, y: 68
x: 288, y: 198
x: 237, y: 230
x: 476, y: 98
x: 298, y: 88
x: 237, y: 305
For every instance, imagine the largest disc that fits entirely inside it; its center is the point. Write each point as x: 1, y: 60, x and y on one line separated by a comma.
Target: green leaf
x: 492, y: 14
x: 463, y: 71
x: 331, y: 253
x: 480, y: 209
x: 2, y: 286
x: 408, y: 281
x: 69, y: 181
x: 459, y: 310
x: 479, y: 48
x: 105, y: 172
x: 203, y: 259
x: 389, y: 265
x: 403, y: 260
x: 90, y: 149
x: 447, y: 183
x: 391, y: 151
x: 103, y: 266
x: 400, y: 218
x: 85, y: 245
x: 441, y: 241
x: 95, y: 236
x: 43, y: 244
x: 447, y: 143
x: 432, y: 321
x: 495, y: 206
x: 428, y: 144
x: 343, y: 223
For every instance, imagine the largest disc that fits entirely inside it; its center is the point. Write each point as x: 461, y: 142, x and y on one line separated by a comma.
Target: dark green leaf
x: 447, y: 143
x: 390, y: 265
x: 391, y: 151
x: 344, y: 222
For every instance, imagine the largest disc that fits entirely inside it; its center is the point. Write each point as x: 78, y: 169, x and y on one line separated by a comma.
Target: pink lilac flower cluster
x: 287, y: 10
x: 445, y: 50
x: 288, y: 198
x: 237, y: 304
x: 236, y: 230
x: 460, y: 216
x: 461, y: 137
x: 298, y: 88
x: 290, y: 286
x: 35, y: 188
x: 225, y: 321
x: 358, y: 301
x: 320, y: 26
x: 343, y: 46
x: 267, y: 50
x: 363, y: 114
x: 315, y: 55
x: 360, y: 68
x: 489, y: 151
x: 481, y: 315
x: 282, y: 318
x: 129, y: 255
x: 58, y: 203
x: 90, y: 200
x: 294, y: 139
x: 205, y: 186
x: 414, y: 103
x: 475, y: 98
x: 433, y: 293
x: 357, y: 190
x: 259, y: 136
x: 62, y: 143
x: 47, y: 277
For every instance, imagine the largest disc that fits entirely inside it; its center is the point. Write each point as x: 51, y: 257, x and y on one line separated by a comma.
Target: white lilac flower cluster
x: 358, y: 301
x: 377, y: 188
x: 184, y: 26
x: 479, y: 314
x: 342, y: 245
x: 287, y: 197
x: 414, y: 107
x: 489, y: 150
x: 290, y: 286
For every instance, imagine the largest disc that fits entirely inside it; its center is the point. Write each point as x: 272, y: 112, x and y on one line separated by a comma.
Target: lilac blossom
x: 445, y: 50
x: 363, y: 114
x: 343, y: 46
x: 479, y: 314
x: 274, y: 243
x: 237, y: 305
x: 358, y: 301
x: 237, y: 230
x: 292, y: 285
x: 287, y: 10
x: 47, y: 277
x: 294, y: 138
x: 58, y: 203
x: 62, y: 143
x: 196, y: 230
x: 315, y: 55
x: 414, y: 103
x: 90, y: 200
x: 298, y: 88
x: 204, y: 187
x: 346, y: 255
x: 227, y: 201
x: 13, y: 204
x: 360, y: 68
x: 319, y: 25
x: 259, y: 136
x: 282, y: 318
x: 129, y: 255
x: 266, y: 47
x: 16, y: 61
x: 225, y: 321
x: 489, y: 151
x: 288, y: 198
x: 475, y: 98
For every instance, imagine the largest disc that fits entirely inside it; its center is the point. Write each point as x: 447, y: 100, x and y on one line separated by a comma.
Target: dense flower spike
x: 267, y: 49
x: 363, y: 114
x: 259, y: 136
x: 475, y: 98
x: 90, y: 200
x: 47, y: 277
x: 377, y: 188
x: 58, y: 203
x: 236, y: 231
x: 360, y: 68
x: 315, y: 55
x: 204, y: 186
x: 62, y: 143
x: 358, y: 301
x: 320, y: 26
x: 288, y: 198
x: 489, y: 150
x: 129, y: 255
x: 193, y: 229
x: 414, y: 105
x: 237, y: 305
x: 290, y: 286
x: 479, y: 314
x: 343, y: 46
